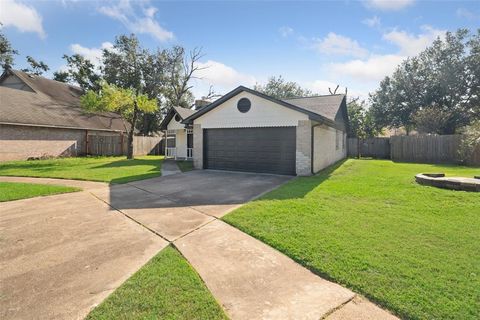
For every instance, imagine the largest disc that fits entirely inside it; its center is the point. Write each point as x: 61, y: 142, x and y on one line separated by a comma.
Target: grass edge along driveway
x: 10, y: 191
x: 167, y: 287
x: 102, y: 169
x: 367, y: 225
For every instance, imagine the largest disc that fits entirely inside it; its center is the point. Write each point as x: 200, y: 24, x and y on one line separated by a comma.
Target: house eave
x: 56, y: 127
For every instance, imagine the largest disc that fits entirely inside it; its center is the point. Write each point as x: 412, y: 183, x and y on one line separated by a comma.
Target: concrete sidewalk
x: 61, y: 255
x: 254, y: 281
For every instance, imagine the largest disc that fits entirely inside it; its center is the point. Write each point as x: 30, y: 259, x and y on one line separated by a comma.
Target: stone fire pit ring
x: 453, y: 183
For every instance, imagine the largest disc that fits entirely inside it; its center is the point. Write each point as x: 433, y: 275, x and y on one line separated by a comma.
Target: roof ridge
x: 32, y: 76
x: 316, y: 96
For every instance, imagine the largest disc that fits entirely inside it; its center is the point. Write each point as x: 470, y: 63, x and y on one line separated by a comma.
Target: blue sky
x: 318, y: 44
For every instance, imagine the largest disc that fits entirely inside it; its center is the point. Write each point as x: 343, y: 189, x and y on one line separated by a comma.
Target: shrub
x: 470, y: 141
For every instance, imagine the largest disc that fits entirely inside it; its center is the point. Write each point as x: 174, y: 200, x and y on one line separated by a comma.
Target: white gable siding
x: 263, y: 113
x: 173, y: 125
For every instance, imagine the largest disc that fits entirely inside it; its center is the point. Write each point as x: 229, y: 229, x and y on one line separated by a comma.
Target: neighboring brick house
x: 246, y: 130
x: 41, y: 117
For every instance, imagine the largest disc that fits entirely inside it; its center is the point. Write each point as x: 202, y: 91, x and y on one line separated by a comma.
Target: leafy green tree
x: 441, y: 79
x: 128, y: 65
x: 470, y: 141
x: 361, y: 124
x: 163, y: 75
x: 36, y: 67
x: 80, y: 71
x: 7, y: 52
x: 431, y: 120
x: 279, y: 88
x: 128, y: 103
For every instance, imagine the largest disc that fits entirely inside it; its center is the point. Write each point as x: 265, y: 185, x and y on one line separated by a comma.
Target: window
x: 337, y: 139
x: 244, y: 105
x: 177, y: 118
x: 343, y: 140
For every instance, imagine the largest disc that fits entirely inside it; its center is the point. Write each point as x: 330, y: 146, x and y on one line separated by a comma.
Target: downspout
x: 165, y: 144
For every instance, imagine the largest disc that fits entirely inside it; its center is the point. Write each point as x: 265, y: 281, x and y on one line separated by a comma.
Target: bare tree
x: 211, y: 94
x: 183, y: 70
x: 334, y: 91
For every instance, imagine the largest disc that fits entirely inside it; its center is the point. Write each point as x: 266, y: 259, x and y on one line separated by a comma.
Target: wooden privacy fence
x: 418, y: 148
x: 373, y: 147
x: 116, y: 145
x: 148, y: 145
x: 425, y: 148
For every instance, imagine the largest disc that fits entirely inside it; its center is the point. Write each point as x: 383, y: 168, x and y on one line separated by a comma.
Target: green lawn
x: 185, y: 165
x: 367, y: 225
x: 167, y: 287
x: 14, y: 191
x: 105, y: 169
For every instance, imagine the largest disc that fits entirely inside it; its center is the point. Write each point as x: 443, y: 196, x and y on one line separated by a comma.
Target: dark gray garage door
x: 268, y: 150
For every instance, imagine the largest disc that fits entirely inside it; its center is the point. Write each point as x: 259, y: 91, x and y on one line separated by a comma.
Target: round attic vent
x: 244, y: 105
x: 177, y: 118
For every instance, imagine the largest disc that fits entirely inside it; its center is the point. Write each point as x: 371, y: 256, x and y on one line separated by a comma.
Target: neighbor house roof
x: 184, y: 113
x: 324, y: 109
x: 51, y: 104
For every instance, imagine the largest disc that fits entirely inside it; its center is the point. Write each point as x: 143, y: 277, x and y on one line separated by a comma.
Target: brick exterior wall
x: 23, y: 142
x: 197, y: 146
x: 304, y: 148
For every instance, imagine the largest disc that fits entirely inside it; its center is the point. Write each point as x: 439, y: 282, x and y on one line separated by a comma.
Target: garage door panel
x: 269, y: 150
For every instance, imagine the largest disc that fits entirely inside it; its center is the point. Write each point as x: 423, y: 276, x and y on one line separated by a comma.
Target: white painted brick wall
x: 197, y: 146
x: 304, y: 148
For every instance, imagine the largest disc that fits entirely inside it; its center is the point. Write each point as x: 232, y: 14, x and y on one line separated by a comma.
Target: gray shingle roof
x: 327, y: 106
x: 52, y: 104
x: 184, y: 112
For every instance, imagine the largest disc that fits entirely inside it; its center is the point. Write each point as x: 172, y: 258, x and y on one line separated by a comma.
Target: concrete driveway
x: 61, y: 255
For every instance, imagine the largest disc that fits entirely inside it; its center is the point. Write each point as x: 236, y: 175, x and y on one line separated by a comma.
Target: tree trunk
x: 130, y: 133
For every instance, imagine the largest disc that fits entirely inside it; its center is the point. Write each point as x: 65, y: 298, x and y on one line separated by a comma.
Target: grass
x: 15, y: 191
x: 104, y: 169
x: 167, y: 287
x: 185, y: 165
x: 367, y: 225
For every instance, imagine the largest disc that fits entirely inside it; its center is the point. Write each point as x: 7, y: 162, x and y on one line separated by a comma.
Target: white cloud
x: 223, y: 78
x: 410, y: 44
x: 372, y: 69
x: 23, y: 17
x: 92, y: 54
x: 388, y: 5
x: 464, y: 13
x: 339, y: 45
x: 143, y: 23
x: 372, y: 22
x: 220, y: 74
x: 365, y: 73
x: 321, y: 86
x: 285, y: 31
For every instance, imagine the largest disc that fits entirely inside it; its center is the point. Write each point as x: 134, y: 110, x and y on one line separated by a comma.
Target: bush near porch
x: 368, y: 225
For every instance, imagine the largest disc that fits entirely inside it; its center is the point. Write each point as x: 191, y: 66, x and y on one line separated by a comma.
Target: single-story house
x: 40, y: 117
x: 246, y: 130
